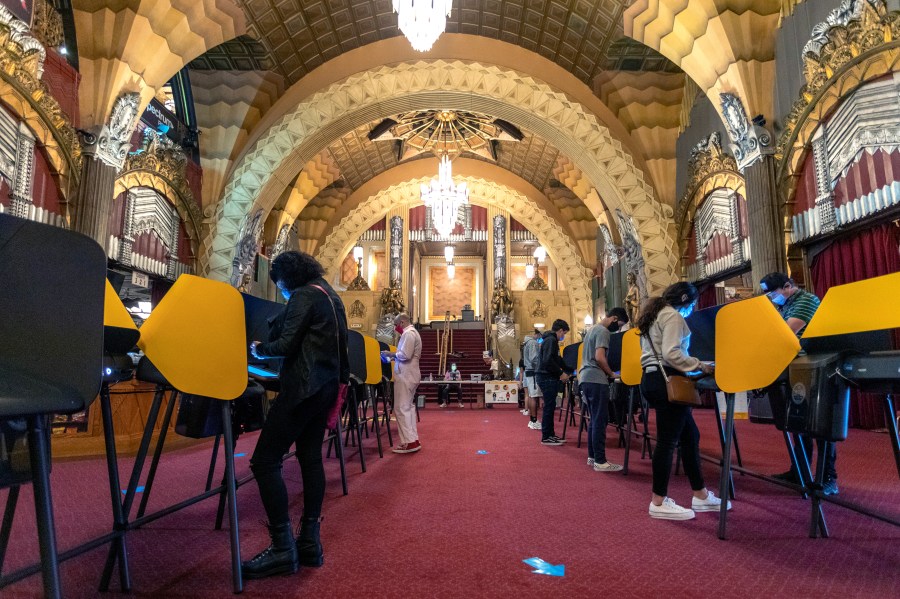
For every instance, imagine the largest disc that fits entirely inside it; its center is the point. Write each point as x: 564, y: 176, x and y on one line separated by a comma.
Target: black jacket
x: 550, y: 363
x: 313, y: 347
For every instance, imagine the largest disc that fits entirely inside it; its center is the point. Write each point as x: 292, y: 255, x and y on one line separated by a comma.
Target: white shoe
x: 591, y: 462
x: 606, y: 467
x: 710, y: 504
x: 669, y: 510
x: 524, y: 412
x: 535, y: 426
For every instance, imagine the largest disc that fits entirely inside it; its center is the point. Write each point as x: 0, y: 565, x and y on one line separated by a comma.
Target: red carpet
x: 448, y: 522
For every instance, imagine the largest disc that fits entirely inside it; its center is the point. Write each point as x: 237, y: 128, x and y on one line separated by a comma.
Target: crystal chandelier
x: 422, y: 21
x: 444, y: 199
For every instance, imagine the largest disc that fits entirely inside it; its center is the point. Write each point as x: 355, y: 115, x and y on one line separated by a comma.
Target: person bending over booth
x: 310, y: 335
x: 407, y: 377
x: 444, y: 390
x: 797, y: 307
x: 664, y: 340
x: 550, y: 371
x: 593, y: 378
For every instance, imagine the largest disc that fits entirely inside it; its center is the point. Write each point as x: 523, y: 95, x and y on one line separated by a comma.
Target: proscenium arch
x: 277, y: 156
x: 731, y: 180
x: 141, y: 178
x: 550, y: 234
x: 462, y: 167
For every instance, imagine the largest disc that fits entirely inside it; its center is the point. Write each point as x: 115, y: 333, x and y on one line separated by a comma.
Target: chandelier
x: 445, y: 199
x: 422, y: 21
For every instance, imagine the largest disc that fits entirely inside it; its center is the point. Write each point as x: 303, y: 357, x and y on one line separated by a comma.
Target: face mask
x: 778, y: 299
x: 453, y: 367
x: 563, y: 338
x: 286, y: 294
x: 613, y: 327
x: 399, y: 329
x: 686, y: 311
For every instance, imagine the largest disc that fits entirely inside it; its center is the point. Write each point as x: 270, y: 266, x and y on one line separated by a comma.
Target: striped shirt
x: 802, y: 306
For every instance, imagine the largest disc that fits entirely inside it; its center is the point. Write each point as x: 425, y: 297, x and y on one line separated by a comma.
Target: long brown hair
x: 677, y: 295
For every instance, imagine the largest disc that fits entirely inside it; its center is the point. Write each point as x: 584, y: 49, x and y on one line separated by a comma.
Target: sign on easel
x: 501, y: 392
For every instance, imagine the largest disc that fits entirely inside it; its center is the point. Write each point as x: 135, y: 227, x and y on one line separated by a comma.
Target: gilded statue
x: 632, y: 298
x: 391, y: 299
x: 501, y: 302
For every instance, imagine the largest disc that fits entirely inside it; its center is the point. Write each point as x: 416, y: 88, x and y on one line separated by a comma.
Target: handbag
x: 334, y: 412
x: 679, y: 389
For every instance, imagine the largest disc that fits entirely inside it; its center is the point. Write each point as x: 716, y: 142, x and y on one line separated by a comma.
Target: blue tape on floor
x: 138, y: 490
x: 481, y: 451
x: 239, y: 455
x: 542, y: 567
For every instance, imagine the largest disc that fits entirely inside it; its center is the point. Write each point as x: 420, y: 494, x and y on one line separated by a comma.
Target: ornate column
x: 392, y: 297
x: 737, y: 246
x: 127, y: 245
x: 824, y: 197
x: 754, y: 150
x: 21, y: 192
x: 499, y: 249
x: 104, y: 151
x: 172, y: 262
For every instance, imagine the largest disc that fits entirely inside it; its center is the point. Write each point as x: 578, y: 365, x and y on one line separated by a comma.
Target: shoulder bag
x: 334, y: 413
x: 679, y: 389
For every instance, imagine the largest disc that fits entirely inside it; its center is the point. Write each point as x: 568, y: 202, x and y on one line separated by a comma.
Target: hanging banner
x: 21, y: 9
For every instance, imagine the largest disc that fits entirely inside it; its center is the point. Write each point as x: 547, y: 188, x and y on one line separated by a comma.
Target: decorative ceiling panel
x: 627, y: 54
x: 243, y: 53
x: 300, y: 35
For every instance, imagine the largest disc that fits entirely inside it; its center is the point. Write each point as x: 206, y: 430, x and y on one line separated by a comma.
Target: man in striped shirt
x: 797, y: 307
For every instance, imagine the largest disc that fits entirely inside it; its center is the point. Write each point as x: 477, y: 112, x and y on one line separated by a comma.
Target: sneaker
x: 830, y: 487
x: 669, y: 510
x: 524, y: 412
x: 710, y: 504
x: 408, y: 447
x: 590, y: 461
x: 551, y: 441
x: 606, y: 467
x: 557, y: 438
x: 789, y: 477
x: 443, y: 405
x: 535, y: 426
x: 461, y: 405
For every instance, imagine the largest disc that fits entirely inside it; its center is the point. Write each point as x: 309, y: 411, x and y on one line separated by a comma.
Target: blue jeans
x: 596, y: 396
x: 550, y: 388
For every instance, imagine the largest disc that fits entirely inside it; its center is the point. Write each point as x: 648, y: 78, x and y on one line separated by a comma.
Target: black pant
x: 550, y: 388
x: 675, y: 426
x: 830, y: 457
x: 445, y: 390
x: 303, y: 425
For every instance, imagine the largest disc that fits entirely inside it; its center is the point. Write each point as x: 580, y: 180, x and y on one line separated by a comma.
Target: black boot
x: 309, y: 547
x: 278, y: 558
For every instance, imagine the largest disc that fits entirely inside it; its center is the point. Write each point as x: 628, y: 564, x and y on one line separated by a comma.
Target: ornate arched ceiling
x: 370, y: 207
x: 277, y: 156
x: 300, y: 36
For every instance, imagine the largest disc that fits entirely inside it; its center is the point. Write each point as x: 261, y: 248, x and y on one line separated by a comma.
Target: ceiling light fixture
x: 422, y: 21
x: 445, y: 199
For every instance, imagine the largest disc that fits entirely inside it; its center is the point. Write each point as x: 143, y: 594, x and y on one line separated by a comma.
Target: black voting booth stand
x: 624, y: 420
x: 568, y: 410
x: 50, y: 355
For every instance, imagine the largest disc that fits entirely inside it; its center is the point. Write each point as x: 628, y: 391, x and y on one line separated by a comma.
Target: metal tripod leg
x: 157, y: 453
x: 375, y: 426
x: 231, y: 491
x: 339, y: 452
x: 387, y: 411
x: 817, y: 518
x: 721, y: 428
x: 891, y: 418
x: 629, y: 422
x: 43, y: 504
x: 212, y: 462
x: 112, y: 467
x: 6, y: 529
x: 725, y: 478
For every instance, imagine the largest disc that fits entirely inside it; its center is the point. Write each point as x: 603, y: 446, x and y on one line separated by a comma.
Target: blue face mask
x: 777, y: 299
x: 563, y: 338
x: 286, y: 294
x: 686, y: 311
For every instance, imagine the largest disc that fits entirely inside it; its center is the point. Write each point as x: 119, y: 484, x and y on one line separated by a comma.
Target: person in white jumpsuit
x: 406, y: 380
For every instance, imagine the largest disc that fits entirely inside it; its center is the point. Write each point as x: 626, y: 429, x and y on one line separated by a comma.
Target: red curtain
x: 867, y: 254
x: 707, y: 298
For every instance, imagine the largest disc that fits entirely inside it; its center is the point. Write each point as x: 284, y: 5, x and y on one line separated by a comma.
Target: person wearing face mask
x: 407, y: 377
x: 444, y: 391
x: 550, y: 371
x: 665, y: 337
x: 593, y: 378
x: 310, y: 335
x: 797, y: 307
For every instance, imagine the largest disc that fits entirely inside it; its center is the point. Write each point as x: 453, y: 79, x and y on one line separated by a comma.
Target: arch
x: 559, y: 245
x: 21, y: 65
x: 276, y: 157
x: 181, y: 198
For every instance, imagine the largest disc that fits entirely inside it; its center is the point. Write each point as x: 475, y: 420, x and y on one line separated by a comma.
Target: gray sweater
x: 671, y: 336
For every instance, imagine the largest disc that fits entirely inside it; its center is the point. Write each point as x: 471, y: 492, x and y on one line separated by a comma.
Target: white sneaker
x: 710, y: 504
x: 524, y: 412
x: 591, y: 462
x: 669, y: 510
x: 535, y: 426
x: 606, y: 467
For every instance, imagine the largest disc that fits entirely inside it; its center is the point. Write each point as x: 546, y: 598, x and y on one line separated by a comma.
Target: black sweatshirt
x: 550, y: 363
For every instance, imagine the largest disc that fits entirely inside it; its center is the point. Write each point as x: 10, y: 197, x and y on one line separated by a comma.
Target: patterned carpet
x: 453, y: 522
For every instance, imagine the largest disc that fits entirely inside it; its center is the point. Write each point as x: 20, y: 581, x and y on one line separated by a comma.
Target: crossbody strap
x: 337, y: 334
x: 662, y: 368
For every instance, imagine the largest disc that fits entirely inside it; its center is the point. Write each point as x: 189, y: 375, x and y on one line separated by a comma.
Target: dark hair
x: 619, y: 313
x: 536, y: 332
x: 295, y: 269
x: 775, y: 280
x: 677, y: 295
x: 559, y: 325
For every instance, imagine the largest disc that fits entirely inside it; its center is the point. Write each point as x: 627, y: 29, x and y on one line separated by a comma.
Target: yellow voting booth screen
x: 196, y: 338
x: 373, y: 360
x: 631, y: 357
x: 114, y: 312
x: 869, y: 305
x: 753, y: 345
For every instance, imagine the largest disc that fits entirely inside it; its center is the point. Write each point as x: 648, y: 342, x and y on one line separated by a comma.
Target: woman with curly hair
x: 665, y: 338
x: 310, y: 336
